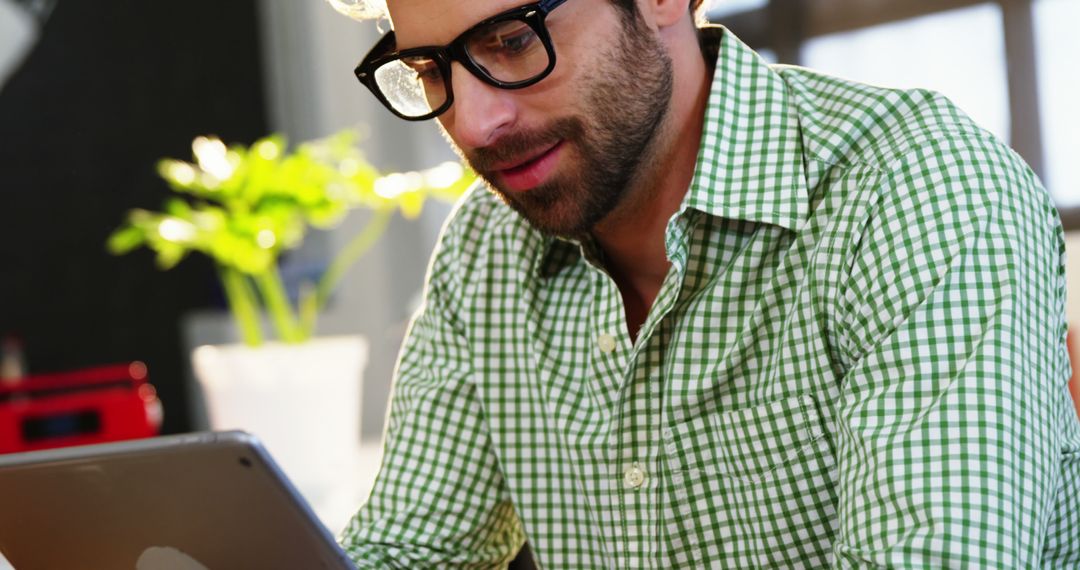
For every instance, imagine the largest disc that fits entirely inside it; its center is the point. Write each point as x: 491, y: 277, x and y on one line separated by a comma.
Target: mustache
x: 514, y: 145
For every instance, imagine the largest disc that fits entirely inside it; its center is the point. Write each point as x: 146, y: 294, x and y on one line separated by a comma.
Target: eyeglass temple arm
x: 547, y: 6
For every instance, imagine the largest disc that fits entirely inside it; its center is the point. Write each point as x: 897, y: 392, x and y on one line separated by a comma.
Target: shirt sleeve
x: 439, y: 500
x: 954, y: 412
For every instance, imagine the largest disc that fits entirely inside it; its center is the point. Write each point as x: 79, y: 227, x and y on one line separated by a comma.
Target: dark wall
x: 112, y: 86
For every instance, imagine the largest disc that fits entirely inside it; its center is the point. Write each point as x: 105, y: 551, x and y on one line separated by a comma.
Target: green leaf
x: 168, y: 255
x: 125, y: 239
x: 178, y: 208
x: 244, y: 206
x: 411, y: 204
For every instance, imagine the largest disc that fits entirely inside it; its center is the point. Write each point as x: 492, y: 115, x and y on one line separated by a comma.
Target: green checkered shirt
x: 857, y: 359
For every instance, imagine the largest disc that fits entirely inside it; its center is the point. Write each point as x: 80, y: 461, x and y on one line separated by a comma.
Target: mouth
x: 520, y: 175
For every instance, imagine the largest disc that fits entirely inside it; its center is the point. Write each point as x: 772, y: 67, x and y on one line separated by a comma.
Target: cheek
x: 558, y: 95
x: 446, y: 122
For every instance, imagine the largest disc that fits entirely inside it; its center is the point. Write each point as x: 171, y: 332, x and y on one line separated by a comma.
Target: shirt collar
x: 750, y: 161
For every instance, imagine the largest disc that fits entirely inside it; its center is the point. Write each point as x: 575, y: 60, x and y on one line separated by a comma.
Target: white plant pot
x: 303, y: 402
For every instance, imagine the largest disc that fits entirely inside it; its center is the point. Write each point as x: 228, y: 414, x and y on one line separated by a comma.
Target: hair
x: 372, y: 9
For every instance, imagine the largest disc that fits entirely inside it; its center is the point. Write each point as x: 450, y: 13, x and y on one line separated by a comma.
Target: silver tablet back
x: 206, y: 500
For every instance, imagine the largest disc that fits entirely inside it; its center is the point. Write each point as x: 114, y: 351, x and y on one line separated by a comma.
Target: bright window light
x: 720, y: 8
x: 959, y: 53
x: 1058, y: 48
x: 768, y: 55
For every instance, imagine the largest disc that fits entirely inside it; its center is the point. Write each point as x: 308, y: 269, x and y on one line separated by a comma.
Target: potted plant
x: 244, y: 207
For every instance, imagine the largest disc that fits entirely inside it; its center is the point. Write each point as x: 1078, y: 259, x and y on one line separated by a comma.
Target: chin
x: 547, y: 210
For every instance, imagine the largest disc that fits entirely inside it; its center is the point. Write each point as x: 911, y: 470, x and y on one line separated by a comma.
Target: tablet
x: 195, y: 501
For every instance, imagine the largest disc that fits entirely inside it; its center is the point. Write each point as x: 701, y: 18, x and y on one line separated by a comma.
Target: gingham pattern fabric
x: 856, y: 360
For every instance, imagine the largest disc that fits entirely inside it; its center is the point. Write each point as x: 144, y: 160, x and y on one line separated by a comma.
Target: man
x: 714, y: 314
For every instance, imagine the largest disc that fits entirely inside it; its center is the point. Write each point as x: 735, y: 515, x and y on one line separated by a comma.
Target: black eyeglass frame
x: 533, y: 14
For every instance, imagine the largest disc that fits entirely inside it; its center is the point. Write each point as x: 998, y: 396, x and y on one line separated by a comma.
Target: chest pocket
x: 769, y: 489
x: 752, y: 444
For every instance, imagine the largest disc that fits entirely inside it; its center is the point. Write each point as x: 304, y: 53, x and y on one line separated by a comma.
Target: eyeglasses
x: 510, y: 50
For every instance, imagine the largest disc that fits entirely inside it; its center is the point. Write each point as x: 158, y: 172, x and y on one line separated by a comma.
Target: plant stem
x: 277, y: 305
x: 307, y: 309
x: 242, y: 304
x: 352, y: 252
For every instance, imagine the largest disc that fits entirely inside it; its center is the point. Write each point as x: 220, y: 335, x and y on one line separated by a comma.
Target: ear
x: 665, y: 13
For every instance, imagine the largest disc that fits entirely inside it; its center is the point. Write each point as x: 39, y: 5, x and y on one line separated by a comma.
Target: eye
x: 509, y: 39
x: 431, y: 75
x: 517, y: 41
x: 426, y: 69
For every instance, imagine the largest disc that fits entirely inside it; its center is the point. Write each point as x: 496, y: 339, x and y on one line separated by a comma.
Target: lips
x: 520, y: 175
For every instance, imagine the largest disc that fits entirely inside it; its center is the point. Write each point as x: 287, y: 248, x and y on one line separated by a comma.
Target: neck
x: 632, y: 236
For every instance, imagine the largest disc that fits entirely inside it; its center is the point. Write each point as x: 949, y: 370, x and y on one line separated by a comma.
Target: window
x: 985, y: 56
x: 1058, y: 52
x: 721, y: 8
x: 960, y: 53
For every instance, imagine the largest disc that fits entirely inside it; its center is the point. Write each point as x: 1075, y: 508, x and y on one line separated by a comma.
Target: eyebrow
x: 542, y: 4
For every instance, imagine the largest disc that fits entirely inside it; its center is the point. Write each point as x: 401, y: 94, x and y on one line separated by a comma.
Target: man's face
x: 565, y: 152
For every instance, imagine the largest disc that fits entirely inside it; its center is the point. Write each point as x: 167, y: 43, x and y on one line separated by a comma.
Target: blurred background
x: 92, y: 94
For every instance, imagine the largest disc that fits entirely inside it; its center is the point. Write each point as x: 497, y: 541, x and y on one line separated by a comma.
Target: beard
x: 627, y: 99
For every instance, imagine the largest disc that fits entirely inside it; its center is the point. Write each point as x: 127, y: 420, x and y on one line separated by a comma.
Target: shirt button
x: 634, y: 477
x: 607, y: 343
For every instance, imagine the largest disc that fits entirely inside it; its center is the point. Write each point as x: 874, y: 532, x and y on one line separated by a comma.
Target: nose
x: 481, y: 113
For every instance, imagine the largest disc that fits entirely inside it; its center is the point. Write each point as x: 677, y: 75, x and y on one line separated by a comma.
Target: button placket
x: 669, y: 442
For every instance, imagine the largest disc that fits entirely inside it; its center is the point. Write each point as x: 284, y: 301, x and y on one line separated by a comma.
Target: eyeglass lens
x: 509, y: 51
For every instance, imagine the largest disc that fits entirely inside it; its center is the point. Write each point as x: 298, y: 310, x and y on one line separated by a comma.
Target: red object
x: 95, y: 405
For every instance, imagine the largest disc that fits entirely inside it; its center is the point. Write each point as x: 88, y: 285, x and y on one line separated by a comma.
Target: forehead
x: 437, y: 22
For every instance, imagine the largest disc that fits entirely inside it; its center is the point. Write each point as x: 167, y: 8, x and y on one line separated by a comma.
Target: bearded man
x: 710, y: 313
